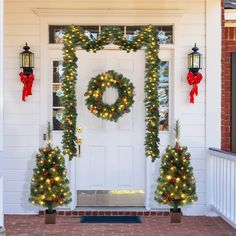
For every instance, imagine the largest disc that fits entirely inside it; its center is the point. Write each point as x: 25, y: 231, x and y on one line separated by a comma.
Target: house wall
x: 229, y: 46
x: 22, y: 119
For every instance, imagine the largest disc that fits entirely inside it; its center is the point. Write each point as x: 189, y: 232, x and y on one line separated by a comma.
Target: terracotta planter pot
x: 175, y: 217
x: 50, y: 218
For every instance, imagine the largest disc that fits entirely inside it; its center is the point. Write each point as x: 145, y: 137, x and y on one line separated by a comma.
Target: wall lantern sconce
x: 194, y: 65
x: 27, y: 76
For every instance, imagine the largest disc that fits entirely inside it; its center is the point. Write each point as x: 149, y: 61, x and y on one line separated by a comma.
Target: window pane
x: 57, y: 109
x: 132, y: 31
x: 91, y: 31
x: 57, y: 93
x: 56, y: 33
x: 165, y: 34
x: 57, y: 71
x: 164, y: 96
x: 57, y: 119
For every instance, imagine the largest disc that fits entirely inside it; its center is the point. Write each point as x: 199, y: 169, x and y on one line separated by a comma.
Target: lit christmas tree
x: 176, y: 184
x: 49, y: 184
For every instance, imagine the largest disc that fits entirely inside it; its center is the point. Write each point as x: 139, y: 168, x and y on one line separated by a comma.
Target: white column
x: 1, y: 116
x: 213, y: 85
x: 1, y: 203
x: 1, y: 74
x: 213, y: 73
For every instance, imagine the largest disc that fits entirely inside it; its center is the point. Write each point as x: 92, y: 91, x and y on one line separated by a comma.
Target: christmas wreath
x: 96, y: 89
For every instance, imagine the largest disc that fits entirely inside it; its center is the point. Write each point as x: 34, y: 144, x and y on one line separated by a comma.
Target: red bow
x: 27, y: 80
x: 193, y: 80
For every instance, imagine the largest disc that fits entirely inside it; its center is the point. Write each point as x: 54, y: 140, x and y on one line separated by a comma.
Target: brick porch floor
x: 151, y: 225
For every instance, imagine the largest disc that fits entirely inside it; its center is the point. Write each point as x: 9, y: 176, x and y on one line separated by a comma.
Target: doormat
x: 110, y: 219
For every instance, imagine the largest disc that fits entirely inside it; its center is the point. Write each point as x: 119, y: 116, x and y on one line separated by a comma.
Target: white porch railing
x: 222, y: 192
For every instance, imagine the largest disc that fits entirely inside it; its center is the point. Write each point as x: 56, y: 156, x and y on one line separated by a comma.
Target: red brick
x: 151, y: 225
x: 74, y: 213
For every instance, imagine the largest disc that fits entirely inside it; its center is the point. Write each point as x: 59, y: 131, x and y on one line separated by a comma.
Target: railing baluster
x: 223, y: 180
x: 217, y: 182
x: 214, y: 181
x: 228, y: 188
x: 221, y: 184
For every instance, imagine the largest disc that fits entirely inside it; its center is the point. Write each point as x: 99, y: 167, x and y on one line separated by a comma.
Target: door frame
x: 107, y: 17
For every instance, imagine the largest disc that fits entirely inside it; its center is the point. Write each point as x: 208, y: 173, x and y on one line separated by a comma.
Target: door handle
x: 79, y: 140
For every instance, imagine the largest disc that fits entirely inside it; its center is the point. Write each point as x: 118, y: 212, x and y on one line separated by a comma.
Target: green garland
x: 96, y: 89
x: 147, y: 37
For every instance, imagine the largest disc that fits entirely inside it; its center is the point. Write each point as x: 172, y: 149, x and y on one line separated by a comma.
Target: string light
x: 176, y: 184
x: 49, y: 179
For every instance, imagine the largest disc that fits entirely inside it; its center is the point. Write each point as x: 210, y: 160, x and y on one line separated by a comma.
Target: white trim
x: 230, y: 14
x: 213, y: 84
x: 57, y: 12
x: 104, y: 17
x: 1, y: 74
x: 225, y: 155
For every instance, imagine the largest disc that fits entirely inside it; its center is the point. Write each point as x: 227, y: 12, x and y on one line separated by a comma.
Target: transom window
x: 165, y: 32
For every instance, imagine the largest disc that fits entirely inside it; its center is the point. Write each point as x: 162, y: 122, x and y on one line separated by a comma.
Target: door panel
x: 112, y: 155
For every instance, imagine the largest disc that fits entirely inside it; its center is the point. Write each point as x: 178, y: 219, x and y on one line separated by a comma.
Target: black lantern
x: 195, y: 60
x: 27, y: 60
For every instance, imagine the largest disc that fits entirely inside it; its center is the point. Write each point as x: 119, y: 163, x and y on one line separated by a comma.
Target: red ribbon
x: 27, y: 80
x: 193, y: 80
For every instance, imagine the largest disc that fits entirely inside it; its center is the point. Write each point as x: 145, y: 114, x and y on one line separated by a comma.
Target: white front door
x: 112, y: 154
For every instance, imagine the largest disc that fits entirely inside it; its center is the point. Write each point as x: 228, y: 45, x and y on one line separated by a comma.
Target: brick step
x: 110, y: 213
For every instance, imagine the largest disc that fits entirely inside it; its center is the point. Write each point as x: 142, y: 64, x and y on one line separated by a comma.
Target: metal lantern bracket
x: 27, y: 76
x: 194, y: 77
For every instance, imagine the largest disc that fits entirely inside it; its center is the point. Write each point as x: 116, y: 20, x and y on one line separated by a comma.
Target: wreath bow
x: 27, y: 80
x: 193, y: 80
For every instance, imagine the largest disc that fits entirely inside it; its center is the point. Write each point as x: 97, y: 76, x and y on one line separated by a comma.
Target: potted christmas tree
x: 49, y: 184
x: 176, y: 183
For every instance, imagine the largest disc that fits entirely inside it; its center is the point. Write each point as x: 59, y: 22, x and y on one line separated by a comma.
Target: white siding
x: 22, y: 124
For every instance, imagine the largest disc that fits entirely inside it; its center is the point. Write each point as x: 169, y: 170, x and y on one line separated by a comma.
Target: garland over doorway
x: 147, y: 37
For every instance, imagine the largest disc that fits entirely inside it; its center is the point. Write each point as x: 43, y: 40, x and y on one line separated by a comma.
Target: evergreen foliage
x: 75, y: 37
x: 176, y: 184
x: 49, y: 184
x: 96, y: 89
